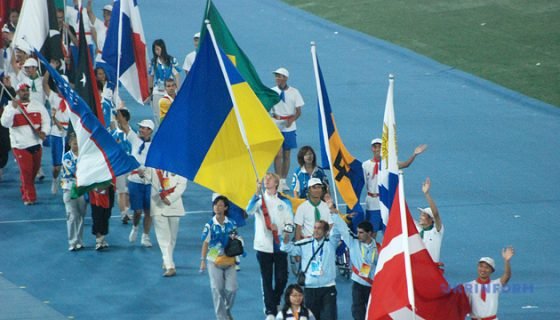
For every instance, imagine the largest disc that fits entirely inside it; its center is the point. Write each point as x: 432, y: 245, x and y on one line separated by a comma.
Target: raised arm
x: 426, y: 189
x: 421, y: 148
x: 507, y: 254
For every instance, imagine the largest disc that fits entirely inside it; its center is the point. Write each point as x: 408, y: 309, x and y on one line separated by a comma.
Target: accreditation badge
x: 365, y: 269
x: 316, y: 268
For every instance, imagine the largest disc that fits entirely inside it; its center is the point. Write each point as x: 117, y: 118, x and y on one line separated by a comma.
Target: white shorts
x: 122, y: 183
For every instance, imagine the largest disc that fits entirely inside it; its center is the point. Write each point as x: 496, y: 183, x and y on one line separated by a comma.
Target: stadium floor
x: 492, y: 159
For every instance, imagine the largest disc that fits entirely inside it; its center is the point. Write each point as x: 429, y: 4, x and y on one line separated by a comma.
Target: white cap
x: 282, y: 71
x: 489, y: 261
x: 196, y: 35
x: 313, y: 181
x: 376, y: 140
x: 108, y: 7
x: 30, y: 62
x: 147, y: 123
x: 427, y: 211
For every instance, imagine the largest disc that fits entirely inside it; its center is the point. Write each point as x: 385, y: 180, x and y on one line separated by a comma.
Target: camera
x: 289, y: 228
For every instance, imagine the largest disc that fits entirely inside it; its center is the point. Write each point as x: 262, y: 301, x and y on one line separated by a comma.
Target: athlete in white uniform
x: 285, y: 113
x: 483, y: 292
x: 429, y: 225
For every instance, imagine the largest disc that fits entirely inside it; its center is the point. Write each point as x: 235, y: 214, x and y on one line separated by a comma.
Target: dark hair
x: 165, y: 57
x: 170, y: 80
x: 301, y: 153
x: 325, y: 225
x: 366, y: 226
x: 124, y: 113
x: 287, y: 304
x: 225, y: 200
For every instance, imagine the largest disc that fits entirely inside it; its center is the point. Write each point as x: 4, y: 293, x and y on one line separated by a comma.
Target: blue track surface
x: 492, y: 158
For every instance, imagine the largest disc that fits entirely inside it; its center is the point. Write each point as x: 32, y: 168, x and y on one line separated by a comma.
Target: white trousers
x: 166, y: 233
x: 75, y: 213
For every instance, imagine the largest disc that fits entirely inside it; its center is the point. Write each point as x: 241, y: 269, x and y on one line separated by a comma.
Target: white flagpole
x: 119, y: 53
x: 323, y: 117
x: 235, y: 107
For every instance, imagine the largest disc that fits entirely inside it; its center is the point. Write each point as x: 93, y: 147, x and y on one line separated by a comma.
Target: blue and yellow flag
x: 347, y: 170
x: 200, y: 137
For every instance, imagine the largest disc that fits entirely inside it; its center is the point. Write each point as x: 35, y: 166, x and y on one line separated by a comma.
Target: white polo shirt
x: 305, y: 217
x: 488, y: 307
x: 292, y: 100
x: 432, y: 240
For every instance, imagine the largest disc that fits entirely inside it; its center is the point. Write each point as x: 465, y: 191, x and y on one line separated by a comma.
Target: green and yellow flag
x: 267, y: 96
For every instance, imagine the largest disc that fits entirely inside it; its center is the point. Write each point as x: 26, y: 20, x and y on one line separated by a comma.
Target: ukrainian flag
x: 346, y: 170
x: 201, y: 137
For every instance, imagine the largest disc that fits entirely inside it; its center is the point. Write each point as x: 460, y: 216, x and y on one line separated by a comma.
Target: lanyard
x: 364, y: 253
x: 320, y: 251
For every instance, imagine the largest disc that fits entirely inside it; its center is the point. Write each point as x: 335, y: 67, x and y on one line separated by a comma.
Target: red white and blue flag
x: 125, y: 49
x: 407, y: 283
x: 100, y: 159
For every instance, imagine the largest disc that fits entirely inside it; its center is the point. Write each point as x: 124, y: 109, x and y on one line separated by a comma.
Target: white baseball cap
x: 489, y: 261
x: 30, y: 62
x: 196, y: 35
x: 147, y: 123
x: 282, y: 71
x: 376, y: 140
x: 427, y: 211
x: 313, y: 181
x: 108, y: 7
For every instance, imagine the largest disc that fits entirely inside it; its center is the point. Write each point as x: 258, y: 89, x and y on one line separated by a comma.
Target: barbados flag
x: 100, y: 158
x: 216, y: 128
x: 125, y: 49
x: 389, y: 171
x: 347, y: 171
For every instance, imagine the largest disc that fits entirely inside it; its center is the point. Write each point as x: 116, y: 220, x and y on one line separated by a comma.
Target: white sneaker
x: 54, y: 186
x: 270, y: 317
x: 40, y: 174
x: 146, y: 241
x: 133, y: 234
x: 282, y: 186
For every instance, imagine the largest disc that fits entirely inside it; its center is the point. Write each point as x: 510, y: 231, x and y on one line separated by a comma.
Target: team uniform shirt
x: 162, y: 72
x: 68, y: 172
x: 489, y: 306
x: 139, y: 151
x: 298, y: 316
x: 189, y: 60
x: 290, y: 100
x: 101, y: 31
x: 363, y: 256
x: 305, y: 216
x: 35, y: 87
x: 372, y: 188
x: 301, y: 178
x: 72, y: 20
x: 280, y: 212
x: 62, y: 114
x: 432, y: 239
x: 170, y: 186
x: 217, y: 237
x: 164, y: 104
x: 22, y: 136
x: 322, y: 269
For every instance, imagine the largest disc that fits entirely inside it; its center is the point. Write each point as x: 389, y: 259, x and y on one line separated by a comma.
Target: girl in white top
x: 294, y: 307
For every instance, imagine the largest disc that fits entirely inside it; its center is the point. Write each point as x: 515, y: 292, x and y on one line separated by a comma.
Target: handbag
x: 234, y: 248
x: 224, y: 261
x: 301, y: 274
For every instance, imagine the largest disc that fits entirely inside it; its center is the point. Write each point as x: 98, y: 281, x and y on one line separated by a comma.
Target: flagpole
x: 119, y: 53
x: 235, y: 107
x: 322, y: 113
x: 406, y: 248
